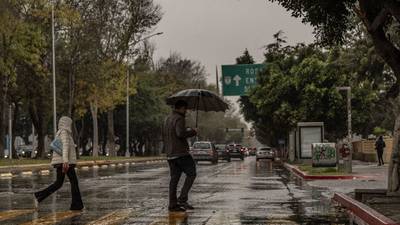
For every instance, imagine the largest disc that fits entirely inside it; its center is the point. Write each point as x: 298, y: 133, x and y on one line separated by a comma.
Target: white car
x: 265, y: 153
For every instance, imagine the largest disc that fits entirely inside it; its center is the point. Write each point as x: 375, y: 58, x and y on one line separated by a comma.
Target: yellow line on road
x: 172, y: 219
x: 9, y: 214
x: 113, y: 218
x: 53, y: 218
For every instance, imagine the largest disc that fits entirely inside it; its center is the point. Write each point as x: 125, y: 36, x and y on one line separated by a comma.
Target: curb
x: 360, y: 212
x: 25, y: 169
x: 305, y: 176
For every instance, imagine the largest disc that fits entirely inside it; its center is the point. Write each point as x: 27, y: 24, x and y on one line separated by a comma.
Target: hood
x: 65, y: 123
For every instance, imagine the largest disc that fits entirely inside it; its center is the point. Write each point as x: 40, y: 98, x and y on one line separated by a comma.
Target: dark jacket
x: 380, y: 144
x: 175, y: 135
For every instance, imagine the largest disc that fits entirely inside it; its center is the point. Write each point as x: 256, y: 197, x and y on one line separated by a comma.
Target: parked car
x: 25, y: 151
x: 236, y: 151
x: 252, y: 151
x: 265, y: 153
x: 6, y: 153
x: 204, y: 151
x: 223, y: 152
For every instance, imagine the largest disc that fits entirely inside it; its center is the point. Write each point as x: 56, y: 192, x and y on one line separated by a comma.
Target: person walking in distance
x: 64, y: 165
x: 380, y: 146
x: 175, y: 136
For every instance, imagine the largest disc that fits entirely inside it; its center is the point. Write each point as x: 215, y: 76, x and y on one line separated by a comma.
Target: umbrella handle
x: 197, y: 111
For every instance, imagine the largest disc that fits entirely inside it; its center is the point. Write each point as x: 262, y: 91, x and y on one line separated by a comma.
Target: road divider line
x: 9, y: 214
x: 44, y: 172
x: 113, y: 218
x: 172, y: 218
x: 26, y: 173
x: 53, y: 218
x: 5, y: 174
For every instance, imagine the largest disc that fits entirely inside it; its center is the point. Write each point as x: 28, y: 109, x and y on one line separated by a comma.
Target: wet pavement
x: 240, y: 192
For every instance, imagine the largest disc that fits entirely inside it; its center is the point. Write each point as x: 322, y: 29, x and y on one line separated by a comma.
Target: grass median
x: 25, y: 161
x: 308, y: 169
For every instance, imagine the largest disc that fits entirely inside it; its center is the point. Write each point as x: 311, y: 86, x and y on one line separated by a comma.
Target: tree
x: 110, y: 34
x: 299, y: 84
x: 246, y: 58
x: 332, y: 20
x: 32, y: 65
x: 178, y: 73
x: 9, y: 32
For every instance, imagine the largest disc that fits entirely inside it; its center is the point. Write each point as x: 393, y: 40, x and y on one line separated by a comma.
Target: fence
x: 364, y: 150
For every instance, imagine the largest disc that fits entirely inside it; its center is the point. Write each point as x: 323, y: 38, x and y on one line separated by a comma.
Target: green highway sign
x: 238, y: 79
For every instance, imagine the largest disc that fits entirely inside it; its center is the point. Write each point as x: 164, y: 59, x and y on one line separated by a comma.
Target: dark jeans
x: 178, y: 166
x: 76, y: 194
x: 380, y: 157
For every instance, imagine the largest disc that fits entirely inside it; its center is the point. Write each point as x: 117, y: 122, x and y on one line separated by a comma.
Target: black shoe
x: 39, y: 198
x: 176, y: 209
x: 186, y: 205
x: 76, y: 208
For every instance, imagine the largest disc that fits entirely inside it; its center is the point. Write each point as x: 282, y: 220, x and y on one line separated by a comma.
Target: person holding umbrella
x: 175, y: 136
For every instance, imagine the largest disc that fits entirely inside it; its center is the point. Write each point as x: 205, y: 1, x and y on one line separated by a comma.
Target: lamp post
x: 10, y: 134
x: 54, y: 71
x: 349, y: 132
x: 127, y: 95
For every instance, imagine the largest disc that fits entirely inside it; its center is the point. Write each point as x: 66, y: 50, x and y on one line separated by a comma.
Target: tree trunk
x: 71, y: 94
x: 14, y: 128
x: 103, y: 133
x: 110, y: 133
x: 2, y: 125
x: 391, y: 55
x: 94, y: 111
x: 37, y: 118
x: 393, y: 170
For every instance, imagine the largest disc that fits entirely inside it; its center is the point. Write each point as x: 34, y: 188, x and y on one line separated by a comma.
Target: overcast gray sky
x: 215, y: 32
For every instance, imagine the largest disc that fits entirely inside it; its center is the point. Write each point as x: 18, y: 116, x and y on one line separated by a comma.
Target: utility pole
x: 54, y: 71
x: 217, y: 79
x: 127, y: 112
x: 10, y: 135
x: 349, y: 167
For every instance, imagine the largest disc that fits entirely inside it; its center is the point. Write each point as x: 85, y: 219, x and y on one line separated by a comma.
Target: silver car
x: 265, y: 153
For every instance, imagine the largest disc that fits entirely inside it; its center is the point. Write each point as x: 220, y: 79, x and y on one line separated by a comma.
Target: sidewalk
x: 375, y: 208
x: 15, y: 169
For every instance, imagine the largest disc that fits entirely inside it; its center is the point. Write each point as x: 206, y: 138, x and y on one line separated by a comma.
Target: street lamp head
x: 346, y: 88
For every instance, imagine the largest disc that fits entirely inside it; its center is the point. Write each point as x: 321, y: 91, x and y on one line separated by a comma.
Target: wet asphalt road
x: 240, y: 192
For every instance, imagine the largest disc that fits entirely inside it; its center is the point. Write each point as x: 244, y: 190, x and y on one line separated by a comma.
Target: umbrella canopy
x: 199, y: 99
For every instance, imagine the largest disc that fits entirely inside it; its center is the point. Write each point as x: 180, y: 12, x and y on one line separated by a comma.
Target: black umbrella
x: 199, y: 99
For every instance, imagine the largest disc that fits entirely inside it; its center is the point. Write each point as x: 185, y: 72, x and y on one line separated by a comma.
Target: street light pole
x: 127, y: 112
x: 10, y: 133
x: 54, y: 71
x: 349, y: 129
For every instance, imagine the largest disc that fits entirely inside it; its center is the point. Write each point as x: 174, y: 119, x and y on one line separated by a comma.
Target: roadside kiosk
x: 302, y: 138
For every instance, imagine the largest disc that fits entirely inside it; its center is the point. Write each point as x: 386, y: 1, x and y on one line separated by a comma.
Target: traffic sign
x: 238, y: 79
